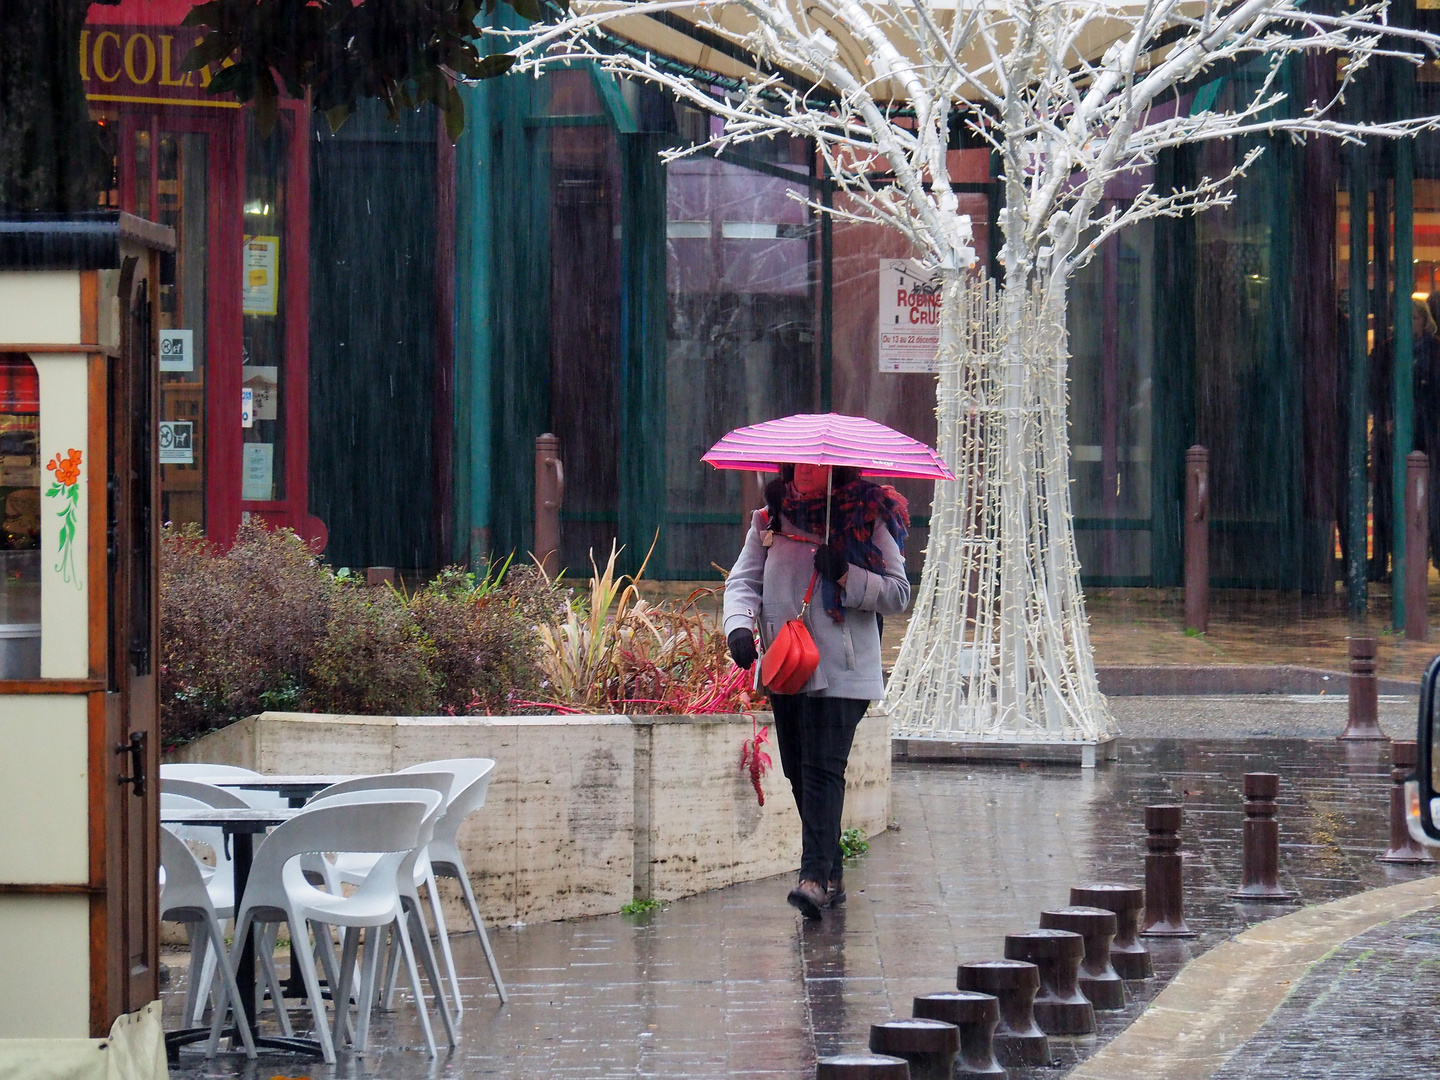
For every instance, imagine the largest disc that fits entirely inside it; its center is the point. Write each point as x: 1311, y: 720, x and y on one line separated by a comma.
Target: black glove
x: 742, y: 647
x: 829, y: 563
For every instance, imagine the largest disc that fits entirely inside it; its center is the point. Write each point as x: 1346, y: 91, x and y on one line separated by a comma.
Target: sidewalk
x: 730, y: 983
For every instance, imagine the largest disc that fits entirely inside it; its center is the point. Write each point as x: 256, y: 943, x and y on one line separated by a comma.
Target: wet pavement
x: 1366, y: 1012
x: 731, y: 983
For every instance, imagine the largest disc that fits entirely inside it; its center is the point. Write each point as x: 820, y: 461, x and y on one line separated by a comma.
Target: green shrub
x: 268, y: 625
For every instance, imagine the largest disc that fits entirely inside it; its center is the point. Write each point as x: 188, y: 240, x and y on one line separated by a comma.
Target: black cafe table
x: 298, y: 789
x: 241, y: 826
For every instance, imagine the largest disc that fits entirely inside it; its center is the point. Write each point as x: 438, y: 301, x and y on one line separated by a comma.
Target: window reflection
x: 20, y: 532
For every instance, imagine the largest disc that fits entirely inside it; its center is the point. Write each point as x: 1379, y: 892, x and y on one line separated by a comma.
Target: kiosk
x: 78, y: 646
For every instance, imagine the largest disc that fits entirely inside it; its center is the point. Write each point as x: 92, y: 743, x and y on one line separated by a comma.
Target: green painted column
x: 643, y: 327
x: 1358, y: 487
x: 474, y: 317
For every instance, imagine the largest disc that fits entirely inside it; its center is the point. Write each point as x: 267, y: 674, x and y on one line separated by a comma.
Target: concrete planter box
x: 585, y: 813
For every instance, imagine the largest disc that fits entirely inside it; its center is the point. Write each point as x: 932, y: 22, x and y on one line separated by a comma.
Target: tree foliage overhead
x: 403, y: 52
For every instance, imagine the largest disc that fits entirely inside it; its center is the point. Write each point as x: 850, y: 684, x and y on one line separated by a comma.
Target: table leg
x: 244, y: 853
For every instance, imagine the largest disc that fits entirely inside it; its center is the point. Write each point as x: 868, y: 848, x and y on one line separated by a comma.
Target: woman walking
x: 860, y: 575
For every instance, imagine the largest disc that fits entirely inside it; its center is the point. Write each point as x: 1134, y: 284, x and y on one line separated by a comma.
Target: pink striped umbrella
x: 827, y: 439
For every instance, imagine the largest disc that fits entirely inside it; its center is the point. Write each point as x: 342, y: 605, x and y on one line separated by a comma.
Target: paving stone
x: 731, y: 982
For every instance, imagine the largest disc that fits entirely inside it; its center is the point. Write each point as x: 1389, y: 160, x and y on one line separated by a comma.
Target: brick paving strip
x: 1223, y: 998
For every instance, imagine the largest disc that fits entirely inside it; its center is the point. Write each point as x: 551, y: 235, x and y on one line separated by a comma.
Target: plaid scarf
x: 854, y: 510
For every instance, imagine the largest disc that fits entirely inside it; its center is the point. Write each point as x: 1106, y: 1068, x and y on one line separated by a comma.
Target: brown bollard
x: 929, y: 1046
x: 1403, y: 848
x: 549, y: 494
x: 379, y: 575
x: 862, y: 1067
x: 1014, y: 984
x: 1130, y: 959
x: 1260, y: 842
x: 1417, y: 545
x: 1098, y: 979
x: 1060, y: 1007
x: 1197, y: 539
x: 1164, y: 900
x: 974, y: 1016
x: 1363, y: 723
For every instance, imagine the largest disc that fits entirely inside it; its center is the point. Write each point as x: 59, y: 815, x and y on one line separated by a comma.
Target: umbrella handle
x: 829, y: 481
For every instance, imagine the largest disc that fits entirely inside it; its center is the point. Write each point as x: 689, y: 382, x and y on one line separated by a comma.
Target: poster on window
x: 257, y: 481
x: 177, y: 442
x: 263, y: 382
x: 261, y: 275
x: 909, y: 316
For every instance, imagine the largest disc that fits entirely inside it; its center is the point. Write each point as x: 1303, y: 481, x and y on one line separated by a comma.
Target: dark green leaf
x: 213, y: 48
x: 495, y: 65
x: 236, y: 79
x: 526, y: 9
x: 207, y: 14
x: 337, y: 116
x: 455, y: 116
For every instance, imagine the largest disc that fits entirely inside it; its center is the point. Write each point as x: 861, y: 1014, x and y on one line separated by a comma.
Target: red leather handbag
x: 792, y: 657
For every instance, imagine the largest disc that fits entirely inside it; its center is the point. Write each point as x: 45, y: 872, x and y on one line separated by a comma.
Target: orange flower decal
x: 66, y: 468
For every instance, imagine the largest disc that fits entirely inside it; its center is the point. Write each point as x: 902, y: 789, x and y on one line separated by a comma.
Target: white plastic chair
x: 278, y: 892
x: 219, y: 879
x: 472, y: 784
x: 184, y: 898
x: 350, y: 868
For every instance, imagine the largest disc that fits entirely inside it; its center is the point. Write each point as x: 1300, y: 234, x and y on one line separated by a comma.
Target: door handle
x: 136, y: 749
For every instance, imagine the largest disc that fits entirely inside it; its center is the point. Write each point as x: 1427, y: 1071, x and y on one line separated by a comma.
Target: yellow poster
x: 261, y: 275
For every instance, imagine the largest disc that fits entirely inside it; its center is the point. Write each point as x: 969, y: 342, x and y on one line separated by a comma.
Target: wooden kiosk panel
x: 79, y: 707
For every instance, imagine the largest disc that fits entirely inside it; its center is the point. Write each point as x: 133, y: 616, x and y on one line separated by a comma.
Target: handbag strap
x: 809, y: 591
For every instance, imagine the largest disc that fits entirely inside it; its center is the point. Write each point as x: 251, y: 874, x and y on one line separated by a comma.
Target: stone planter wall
x: 584, y: 813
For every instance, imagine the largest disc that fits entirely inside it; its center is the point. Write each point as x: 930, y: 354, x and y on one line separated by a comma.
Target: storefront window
x: 1112, y: 344
x: 263, y: 269
x: 182, y: 187
x: 741, y: 342
x: 20, y: 531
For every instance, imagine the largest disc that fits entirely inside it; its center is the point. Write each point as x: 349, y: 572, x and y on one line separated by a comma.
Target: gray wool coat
x: 770, y: 584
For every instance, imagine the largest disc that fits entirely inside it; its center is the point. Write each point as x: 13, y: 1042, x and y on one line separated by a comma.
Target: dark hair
x: 841, y: 474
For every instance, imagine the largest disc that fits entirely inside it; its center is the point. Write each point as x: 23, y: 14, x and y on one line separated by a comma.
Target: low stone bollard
x: 975, y: 1016
x: 862, y: 1067
x: 1403, y: 848
x: 1014, y: 984
x: 1164, y: 901
x: 1260, y: 842
x: 1362, y: 723
x: 1130, y: 959
x: 1060, y: 1008
x: 1097, y: 980
x: 928, y: 1045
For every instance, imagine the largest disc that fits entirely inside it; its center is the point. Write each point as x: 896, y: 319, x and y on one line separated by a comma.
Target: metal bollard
x: 1014, y: 983
x: 862, y: 1067
x: 1260, y: 842
x: 1197, y: 539
x: 1403, y: 848
x: 929, y: 1046
x: 1363, y: 721
x: 975, y: 1016
x: 1060, y: 1008
x: 1164, y: 901
x: 1097, y: 979
x: 549, y: 494
x: 1417, y: 545
x: 1130, y: 959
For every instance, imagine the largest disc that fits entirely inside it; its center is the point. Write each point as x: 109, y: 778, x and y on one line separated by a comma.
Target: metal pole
x: 1417, y: 545
x: 1197, y: 539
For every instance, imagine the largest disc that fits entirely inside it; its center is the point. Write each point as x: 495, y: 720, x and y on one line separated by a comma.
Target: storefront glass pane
x: 20, y: 531
x: 741, y: 345
x: 262, y: 465
x: 1112, y: 342
x: 182, y: 195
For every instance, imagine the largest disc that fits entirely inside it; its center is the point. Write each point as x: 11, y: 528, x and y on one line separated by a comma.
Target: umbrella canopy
x: 827, y: 439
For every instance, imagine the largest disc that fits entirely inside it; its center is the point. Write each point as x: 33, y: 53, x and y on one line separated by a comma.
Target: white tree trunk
x: 997, y: 647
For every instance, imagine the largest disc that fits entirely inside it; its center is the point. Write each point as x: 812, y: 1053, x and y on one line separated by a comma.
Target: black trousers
x: 814, y: 736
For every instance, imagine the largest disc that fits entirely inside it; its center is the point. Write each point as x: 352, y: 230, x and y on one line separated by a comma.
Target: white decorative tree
x: 1073, y: 94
